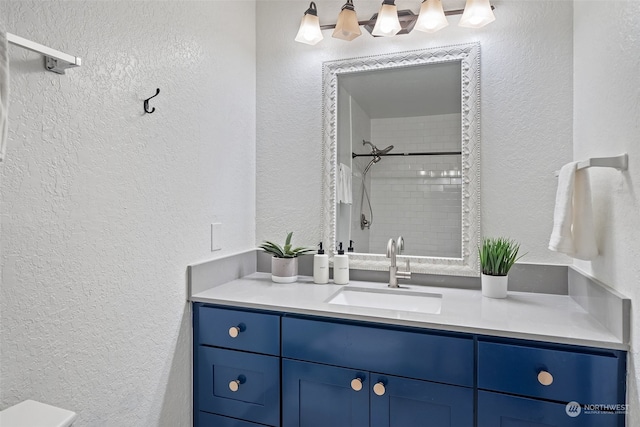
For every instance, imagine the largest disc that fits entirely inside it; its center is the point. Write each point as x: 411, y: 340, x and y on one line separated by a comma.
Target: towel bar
x: 620, y: 162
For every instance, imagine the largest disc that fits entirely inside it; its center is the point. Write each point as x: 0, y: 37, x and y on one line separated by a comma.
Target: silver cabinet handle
x: 356, y: 384
x: 545, y: 378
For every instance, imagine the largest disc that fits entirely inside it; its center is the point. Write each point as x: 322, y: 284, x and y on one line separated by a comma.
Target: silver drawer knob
x: 379, y: 389
x: 545, y: 378
x: 234, y: 385
x: 356, y: 384
x: 234, y: 331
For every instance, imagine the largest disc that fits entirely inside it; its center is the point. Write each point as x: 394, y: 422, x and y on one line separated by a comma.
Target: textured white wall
x: 607, y: 122
x: 103, y: 207
x: 526, y: 110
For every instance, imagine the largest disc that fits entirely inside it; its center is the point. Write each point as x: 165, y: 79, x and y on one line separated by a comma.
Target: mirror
x: 401, y: 157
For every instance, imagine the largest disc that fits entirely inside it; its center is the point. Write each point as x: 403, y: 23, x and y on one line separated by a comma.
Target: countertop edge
x: 420, y: 325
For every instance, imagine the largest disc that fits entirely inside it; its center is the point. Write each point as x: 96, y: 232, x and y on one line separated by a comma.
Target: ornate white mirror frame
x: 469, y: 57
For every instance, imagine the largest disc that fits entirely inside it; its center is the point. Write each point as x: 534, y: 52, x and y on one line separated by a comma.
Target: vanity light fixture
x: 309, y: 32
x: 431, y: 17
x: 477, y: 13
x: 387, y: 22
x: 347, y: 27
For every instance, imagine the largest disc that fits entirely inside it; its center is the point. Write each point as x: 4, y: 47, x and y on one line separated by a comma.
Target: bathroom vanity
x: 281, y: 355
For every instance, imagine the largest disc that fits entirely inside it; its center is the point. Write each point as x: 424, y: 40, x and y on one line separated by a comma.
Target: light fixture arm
x: 348, y: 5
x: 313, y: 10
x: 402, y: 18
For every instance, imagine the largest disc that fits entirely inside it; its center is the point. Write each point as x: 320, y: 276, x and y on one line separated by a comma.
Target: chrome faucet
x: 394, y: 249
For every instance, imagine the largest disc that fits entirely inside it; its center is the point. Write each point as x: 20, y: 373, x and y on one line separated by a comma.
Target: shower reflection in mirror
x: 412, y: 186
x: 364, y: 194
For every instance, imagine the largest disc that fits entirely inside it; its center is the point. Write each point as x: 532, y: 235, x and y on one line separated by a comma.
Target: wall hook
x: 146, y: 103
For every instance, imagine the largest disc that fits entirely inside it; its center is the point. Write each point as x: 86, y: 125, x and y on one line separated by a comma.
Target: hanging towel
x: 573, y: 230
x: 345, y: 195
x: 4, y: 93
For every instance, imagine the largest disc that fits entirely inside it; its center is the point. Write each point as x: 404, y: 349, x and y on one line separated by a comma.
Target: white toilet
x: 35, y: 414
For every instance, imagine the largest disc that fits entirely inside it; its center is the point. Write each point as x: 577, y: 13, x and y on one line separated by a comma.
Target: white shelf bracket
x: 54, y: 60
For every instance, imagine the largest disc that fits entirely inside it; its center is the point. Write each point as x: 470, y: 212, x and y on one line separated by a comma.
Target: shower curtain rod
x: 430, y: 153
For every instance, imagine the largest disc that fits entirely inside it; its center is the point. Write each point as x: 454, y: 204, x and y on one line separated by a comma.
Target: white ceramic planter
x: 494, y: 286
x: 284, y: 270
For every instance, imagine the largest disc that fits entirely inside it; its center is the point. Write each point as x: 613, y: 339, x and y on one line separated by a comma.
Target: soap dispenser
x: 321, y: 267
x: 341, y: 267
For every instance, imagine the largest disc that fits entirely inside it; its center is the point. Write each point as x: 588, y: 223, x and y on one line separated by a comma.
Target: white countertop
x: 539, y: 317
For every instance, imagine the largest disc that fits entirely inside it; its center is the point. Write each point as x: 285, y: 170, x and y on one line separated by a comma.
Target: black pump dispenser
x: 350, y: 248
x: 340, y: 250
x: 320, y: 251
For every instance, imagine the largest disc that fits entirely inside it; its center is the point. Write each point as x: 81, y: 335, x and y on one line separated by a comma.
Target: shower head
x: 386, y: 150
x: 375, y: 151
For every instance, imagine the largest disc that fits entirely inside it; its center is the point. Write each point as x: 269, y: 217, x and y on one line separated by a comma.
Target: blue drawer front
x: 258, y: 395
x: 581, y: 377
x: 321, y: 396
x: 407, y: 402
x: 205, y: 419
x: 394, y: 352
x: 499, y: 410
x: 258, y: 332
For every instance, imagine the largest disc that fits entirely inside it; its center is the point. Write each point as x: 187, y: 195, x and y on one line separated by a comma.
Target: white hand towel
x: 345, y: 195
x: 4, y: 93
x: 573, y: 230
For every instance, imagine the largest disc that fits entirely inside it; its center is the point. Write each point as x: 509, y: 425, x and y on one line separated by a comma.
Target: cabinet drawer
x: 499, y: 410
x: 395, y: 352
x: 239, y: 385
x: 582, y: 377
x: 205, y: 419
x: 239, y: 330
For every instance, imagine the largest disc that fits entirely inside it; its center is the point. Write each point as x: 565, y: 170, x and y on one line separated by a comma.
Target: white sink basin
x: 390, y: 299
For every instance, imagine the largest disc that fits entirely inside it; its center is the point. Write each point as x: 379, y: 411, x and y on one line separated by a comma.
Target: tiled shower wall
x: 418, y: 197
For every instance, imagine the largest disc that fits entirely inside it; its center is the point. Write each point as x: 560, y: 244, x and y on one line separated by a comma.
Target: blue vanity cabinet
x: 357, y: 375
x: 548, y: 385
x: 255, y: 368
x: 236, y: 370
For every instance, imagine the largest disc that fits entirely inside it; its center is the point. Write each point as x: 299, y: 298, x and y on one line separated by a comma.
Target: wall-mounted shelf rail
x: 54, y: 60
x: 430, y: 153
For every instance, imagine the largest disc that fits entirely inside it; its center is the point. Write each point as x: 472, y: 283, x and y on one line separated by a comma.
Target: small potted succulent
x: 284, y: 262
x: 497, y: 256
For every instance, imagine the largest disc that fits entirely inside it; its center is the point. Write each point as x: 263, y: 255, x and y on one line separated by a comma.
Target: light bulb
x: 347, y: 27
x: 477, y: 13
x: 431, y: 17
x: 309, y: 31
x: 387, y: 22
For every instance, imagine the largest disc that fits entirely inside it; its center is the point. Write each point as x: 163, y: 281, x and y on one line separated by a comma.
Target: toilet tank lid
x: 36, y: 414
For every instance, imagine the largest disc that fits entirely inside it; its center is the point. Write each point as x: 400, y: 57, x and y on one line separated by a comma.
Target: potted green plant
x: 284, y: 260
x: 497, y: 256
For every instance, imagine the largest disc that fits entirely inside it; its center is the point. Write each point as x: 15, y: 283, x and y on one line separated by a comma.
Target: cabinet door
x: 316, y: 395
x: 401, y: 402
x: 499, y: 410
x: 238, y: 384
